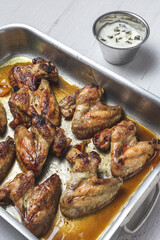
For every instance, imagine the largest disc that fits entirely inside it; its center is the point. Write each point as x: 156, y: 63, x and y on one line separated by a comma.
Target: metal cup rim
x: 127, y: 13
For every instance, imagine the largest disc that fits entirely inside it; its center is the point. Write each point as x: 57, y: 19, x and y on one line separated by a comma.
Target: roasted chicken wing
x: 32, y: 146
x: 3, y: 120
x: 36, y: 205
x: 90, y: 116
x: 127, y: 154
x: 31, y: 74
x: 25, y: 104
x: 7, y: 156
x: 85, y: 192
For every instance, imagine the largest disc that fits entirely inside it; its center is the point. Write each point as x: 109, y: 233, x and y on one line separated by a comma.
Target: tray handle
x: 146, y: 214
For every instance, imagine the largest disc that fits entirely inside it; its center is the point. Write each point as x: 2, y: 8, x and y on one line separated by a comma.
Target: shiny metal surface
x: 22, y: 40
x: 146, y: 213
x: 121, y: 55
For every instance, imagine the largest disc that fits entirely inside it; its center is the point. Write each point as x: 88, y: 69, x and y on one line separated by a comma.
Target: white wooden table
x: 70, y: 22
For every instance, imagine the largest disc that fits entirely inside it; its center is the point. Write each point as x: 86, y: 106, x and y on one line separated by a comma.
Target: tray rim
x: 75, y: 54
x: 153, y: 176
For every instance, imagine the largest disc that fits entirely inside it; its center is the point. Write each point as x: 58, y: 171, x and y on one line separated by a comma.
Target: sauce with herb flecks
x: 119, y: 35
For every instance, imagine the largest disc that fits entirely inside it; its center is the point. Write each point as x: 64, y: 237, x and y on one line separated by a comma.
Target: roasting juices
x: 92, y: 226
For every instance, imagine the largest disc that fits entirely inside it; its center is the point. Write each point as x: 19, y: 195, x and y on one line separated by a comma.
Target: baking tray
x: 142, y: 106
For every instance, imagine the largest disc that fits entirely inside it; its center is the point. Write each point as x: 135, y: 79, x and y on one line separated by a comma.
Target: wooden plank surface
x: 70, y: 22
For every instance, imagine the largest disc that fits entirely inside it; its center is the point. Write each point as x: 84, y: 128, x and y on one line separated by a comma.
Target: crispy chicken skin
x: 75, y: 151
x: 102, y: 139
x: 60, y: 143
x: 7, y: 156
x: 25, y: 104
x: 91, y: 116
x: 127, y: 154
x: 85, y: 192
x: 32, y: 146
x: 3, y: 120
x: 19, y: 116
x: 68, y: 104
x: 31, y: 74
x: 36, y: 205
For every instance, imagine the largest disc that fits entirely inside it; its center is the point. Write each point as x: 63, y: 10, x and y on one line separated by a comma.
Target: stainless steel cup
x: 121, y: 55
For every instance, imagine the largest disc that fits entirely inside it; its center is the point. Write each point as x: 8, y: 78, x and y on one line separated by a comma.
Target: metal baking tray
x: 140, y: 105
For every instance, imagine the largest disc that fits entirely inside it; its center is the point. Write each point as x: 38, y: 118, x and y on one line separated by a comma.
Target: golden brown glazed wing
x: 32, y: 146
x: 7, y: 156
x: 91, y: 116
x: 25, y: 104
x: 85, y: 192
x: 127, y: 154
x: 60, y: 143
x: 36, y: 205
x: 17, y: 187
x: 30, y: 74
x: 3, y: 120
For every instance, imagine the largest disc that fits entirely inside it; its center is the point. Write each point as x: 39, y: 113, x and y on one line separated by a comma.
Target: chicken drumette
x: 90, y: 116
x: 85, y: 192
x: 37, y: 205
x: 3, y: 120
x: 127, y: 155
x: 30, y: 74
x: 25, y: 104
x: 7, y: 156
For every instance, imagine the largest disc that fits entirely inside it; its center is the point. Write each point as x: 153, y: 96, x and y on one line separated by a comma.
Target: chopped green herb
x: 102, y: 39
x: 129, y: 42
x: 117, y: 40
x: 129, y: 32
x: 123, y: 30
x: 110, y: 36
x: 116, y: 29
x: 130, y: 39
x: 137, y: 37
x: 116, y: 33
x: 120, y: 38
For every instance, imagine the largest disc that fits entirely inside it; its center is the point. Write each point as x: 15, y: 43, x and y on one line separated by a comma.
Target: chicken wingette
x: 37, y: 205
x: 31, y: 74
x: 90, y: 115
x: 25, y: 104
x: 127, y: 155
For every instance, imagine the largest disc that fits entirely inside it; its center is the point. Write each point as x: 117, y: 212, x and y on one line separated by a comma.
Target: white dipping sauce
x: 119, y: 35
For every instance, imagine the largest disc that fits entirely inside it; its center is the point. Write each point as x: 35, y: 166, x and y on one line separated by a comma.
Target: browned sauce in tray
x: 91, y: 226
